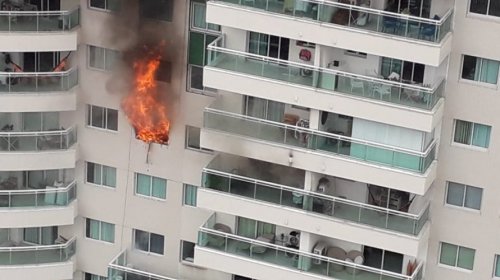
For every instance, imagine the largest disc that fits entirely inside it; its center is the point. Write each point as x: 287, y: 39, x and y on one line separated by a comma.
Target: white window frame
x: 149, y: 242
x: 90, y: 109
x: 474, y: 82
x: 470, y: 146
x: 193, y: 27
x: 182, y: 252
x: 487, y: 15
x: 456, y: 259
x: 186, y: 144
x: 463, y: 207
x: 497, y: 256
x: 101, y: 9
x: 102, y: 175
x: 150, y: 187
x: 106, y: 50
x: 184, y: 187
x: 100, y: 231
x: 94, y: 276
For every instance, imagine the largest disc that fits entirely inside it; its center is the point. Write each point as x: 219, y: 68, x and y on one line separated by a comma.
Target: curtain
x: 32, y: 121
x: 108, y: 176
x: 50, y: 121
x: 256, y: 107
x: 473, y: 197
x: 448, y: 254
x: 481, y: 135
x: 275, y: 111
x: 466, y: 258
x: 190, y: 195
x: 4, y: 234
x: 141, y: 240
x: 94, y: 173
x: 143, y: 184
x: 489, y: 71
x: 96, y: 57
x: 31, y: 235
x: 246, y: 227
x: 49, y: 235
x: 157, y: 243
x: 107, y: 232
x: 93, y: 229
x: 463, y: 131
x: 199, y: 15
x: 159, y: 188
x: 265, y: 228
x: 455, y: 194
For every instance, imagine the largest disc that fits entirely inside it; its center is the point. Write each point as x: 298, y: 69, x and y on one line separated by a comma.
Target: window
x: 190, y: 193
x: 473, y: 134
x: 458, y: 256
x: 187, y: 251
x: 480, y: 69
x: 150, y: 186
x: 40, y: 235
x: 164, y: 73
x: 99, y: 230
x: 148, y: 242
x: 101, y: 117
x: 109, y: 5
x: 200, y: 36
x: 193, y: 138
x: 158, y: 9
x: 101, y: 175
x: 102, y: 58
x: 464, y: 196
x: 90, y: 276
x: 485, y: 7
x: 496, y: 266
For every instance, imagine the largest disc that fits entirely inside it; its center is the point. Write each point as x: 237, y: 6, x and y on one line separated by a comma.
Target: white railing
x: 37, y: 82
x: 38, y: 254
x: 38, y: 197
x: 39, y: 21
x: 37, y: 140
x: 118, y: 268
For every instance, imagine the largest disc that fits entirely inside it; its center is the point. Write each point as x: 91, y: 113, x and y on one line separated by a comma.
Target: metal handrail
x: 39, y: 247
x: 30, y: 74
x: 37, y: 133
x: 326, y: 134
x: 311, y: 255
x: 212, y: 46
x: 320, y: 195
x: 42, y: 13
x: 30, y: 191
x: 132, y: 270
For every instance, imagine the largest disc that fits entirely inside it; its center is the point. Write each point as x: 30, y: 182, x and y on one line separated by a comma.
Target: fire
x: 143, y: 107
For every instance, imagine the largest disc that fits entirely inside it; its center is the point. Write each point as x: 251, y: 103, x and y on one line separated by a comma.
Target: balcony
x: 259, y: 189
x: 230, y: 131
x: 21, y: 207
x: 369, y: 97
x: 51, y: 30
x: 38, y: 91
x: 259, y: 258
x: 359, y: 28
x: 120, y: 268
x: 38, y: 149
x: 45, y: 261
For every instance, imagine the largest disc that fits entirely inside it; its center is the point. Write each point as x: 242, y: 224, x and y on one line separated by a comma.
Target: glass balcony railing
x: 37, y: 140
x: 32, y: 198
x: 316, y: 203
x: 289, y: 258
x: 323, y: 79
x: 37, y: 82
x: 39, y: 21
x: 38, y: 254
x: 119, y: 269
x: 356, y: 17
x: 320, y: 141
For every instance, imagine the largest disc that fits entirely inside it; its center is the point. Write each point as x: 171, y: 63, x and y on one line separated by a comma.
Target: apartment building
x: 306, y: 139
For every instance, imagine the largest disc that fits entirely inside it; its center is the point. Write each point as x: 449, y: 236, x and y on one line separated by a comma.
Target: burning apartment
x: 248, y: 139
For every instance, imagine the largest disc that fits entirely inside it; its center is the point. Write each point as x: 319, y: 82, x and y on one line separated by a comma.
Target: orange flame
x: 146, y: 113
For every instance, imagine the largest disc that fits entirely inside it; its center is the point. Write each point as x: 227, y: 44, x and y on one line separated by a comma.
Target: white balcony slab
x: 53, y: 271
x: 20, y: 161
x: 328, y: 34
x: 325, y: 163
x: 326, y: 101
x: 39, y: 102
x: 38, y: 42
x: 38, y: 216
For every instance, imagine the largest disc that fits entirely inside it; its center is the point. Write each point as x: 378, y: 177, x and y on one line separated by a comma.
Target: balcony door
x: 382, y: 259
x: 45, y: 5
x: 264, y: 109
x: 268, y: 45
x: 40, y: 61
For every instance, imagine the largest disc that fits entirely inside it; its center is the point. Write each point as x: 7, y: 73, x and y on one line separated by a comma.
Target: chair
x: 259, y: 249
x: 357, y: 85
x: 382, y: 90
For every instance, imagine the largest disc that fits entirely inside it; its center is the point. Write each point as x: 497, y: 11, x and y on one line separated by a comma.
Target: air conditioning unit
x: 319, y: 249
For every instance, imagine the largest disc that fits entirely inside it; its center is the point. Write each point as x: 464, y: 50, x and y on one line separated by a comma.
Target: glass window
x: 470, y: 133
x: 458, y: 256
x: 89, y: 276
x: 158, y: 9
x: 101, y: 174
x: 150, y: 186
x: 187, y: 253
x: 149, y: 242
x: 496, y: 269
x: 193, y: 138
x: 101, y: 117
x: 190, y: 193
x: 485, y: 7
x: 109, y: 5
x: 40, y: 235
x: 464, y: 196
x: 102, y: 58
x: 480, y: 69
x: 99, y: 230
